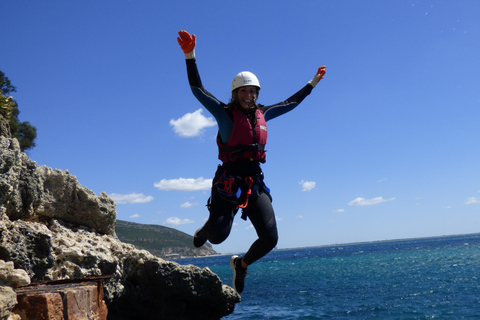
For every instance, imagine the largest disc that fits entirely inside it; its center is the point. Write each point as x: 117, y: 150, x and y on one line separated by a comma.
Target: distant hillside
x: 164, y: 242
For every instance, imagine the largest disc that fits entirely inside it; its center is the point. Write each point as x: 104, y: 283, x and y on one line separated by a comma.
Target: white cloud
x: 192, y: 124
x: 130, y: 198
x: 174, y: 221
x: 298, y: 217
x: 382, y: 180
x: 339, y: 210
x: 368, y: 202
x: 183, y: 184
x: 188, y: 205
x: 472, y: 200
x: 135, y: 216
x: 307, y: 185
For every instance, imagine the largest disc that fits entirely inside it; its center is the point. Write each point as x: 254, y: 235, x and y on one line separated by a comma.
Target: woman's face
x: 247, y: 96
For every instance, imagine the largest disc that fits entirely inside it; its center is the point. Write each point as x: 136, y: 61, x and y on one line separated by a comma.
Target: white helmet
x: 245, y: 78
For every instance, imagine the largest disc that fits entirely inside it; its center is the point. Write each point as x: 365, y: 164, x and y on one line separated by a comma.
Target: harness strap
x: 249, y: 181
x: 228, y: 185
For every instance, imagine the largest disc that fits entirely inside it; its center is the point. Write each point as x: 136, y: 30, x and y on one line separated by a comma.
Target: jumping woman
x: 238, y: 181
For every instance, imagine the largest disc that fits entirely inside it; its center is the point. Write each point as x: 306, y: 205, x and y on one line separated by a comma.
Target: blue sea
x: 428, y: 278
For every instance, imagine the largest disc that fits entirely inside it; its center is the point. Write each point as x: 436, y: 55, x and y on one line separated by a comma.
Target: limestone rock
x: 143, y: 285
x: 53, y: 228
x: 32, y: 192
x: 4, y: 125
x: 12, y: 277
x: 8, y: 299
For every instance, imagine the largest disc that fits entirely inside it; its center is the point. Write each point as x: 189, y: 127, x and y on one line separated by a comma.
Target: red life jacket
x: 247, y: 140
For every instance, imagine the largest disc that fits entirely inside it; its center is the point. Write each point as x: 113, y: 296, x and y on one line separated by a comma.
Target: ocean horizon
x: 415, y: 278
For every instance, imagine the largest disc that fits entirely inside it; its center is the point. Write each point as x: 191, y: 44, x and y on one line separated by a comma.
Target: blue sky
x: 386, y: 146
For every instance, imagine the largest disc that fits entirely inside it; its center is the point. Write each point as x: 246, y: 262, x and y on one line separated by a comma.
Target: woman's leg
x: 220, y: 221
x: 261, y: 214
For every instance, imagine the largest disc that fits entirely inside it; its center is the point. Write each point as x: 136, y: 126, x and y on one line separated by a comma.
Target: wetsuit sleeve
x: 212, y: 104
x: 273, y: 111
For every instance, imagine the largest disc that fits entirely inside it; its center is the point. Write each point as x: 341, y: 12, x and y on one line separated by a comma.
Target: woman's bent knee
x: 217, y: 237
x: 270, y: 242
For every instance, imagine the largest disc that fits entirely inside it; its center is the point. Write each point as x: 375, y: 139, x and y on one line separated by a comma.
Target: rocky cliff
x: 53, y: 228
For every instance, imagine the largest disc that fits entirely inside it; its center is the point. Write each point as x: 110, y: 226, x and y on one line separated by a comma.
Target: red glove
x: 319, y: 76
x: 186, y: 42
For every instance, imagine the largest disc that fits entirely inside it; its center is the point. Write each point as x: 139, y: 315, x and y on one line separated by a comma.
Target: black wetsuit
x: 259, y: 209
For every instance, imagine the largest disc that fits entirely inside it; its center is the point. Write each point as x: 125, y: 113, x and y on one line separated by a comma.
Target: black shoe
x: 200, y: 237
x: 239, y: 273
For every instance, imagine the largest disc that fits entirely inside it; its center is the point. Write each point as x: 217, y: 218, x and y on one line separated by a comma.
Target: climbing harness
x: 237, y: 190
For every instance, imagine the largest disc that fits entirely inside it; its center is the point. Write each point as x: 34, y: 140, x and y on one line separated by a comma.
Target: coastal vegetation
x: 23, y: 131
x: 161, y: 241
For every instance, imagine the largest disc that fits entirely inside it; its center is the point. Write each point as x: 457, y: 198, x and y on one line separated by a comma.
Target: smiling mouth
x: 248, y: 103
